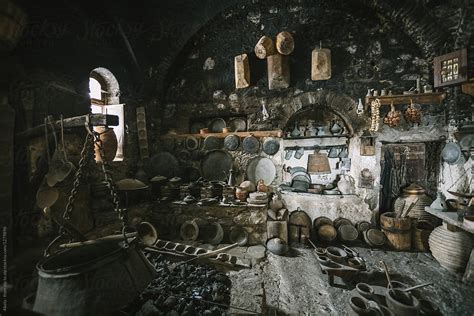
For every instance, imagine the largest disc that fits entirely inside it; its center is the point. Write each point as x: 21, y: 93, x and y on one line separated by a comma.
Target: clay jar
x: 241, y: 194
x: 276, y: 203
x: 109, y: 143
x: 261, y: 187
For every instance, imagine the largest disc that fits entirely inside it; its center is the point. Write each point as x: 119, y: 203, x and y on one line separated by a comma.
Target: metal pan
x: 271, y: 146
x: 251, y: 144
x: 191, y: 143
x: 213, y: 143
x: 261, y: 168
x: 238, y: 125
x: 164, y: 164
x: 217, y: 125
x: 216, y: 165
x: 232, y: 142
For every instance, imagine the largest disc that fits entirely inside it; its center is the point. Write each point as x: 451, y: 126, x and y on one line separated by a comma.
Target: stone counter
x: 168, y: 217
x: 351, y: 207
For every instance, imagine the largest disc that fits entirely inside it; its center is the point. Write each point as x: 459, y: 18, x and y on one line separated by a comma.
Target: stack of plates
x: 258, y: 198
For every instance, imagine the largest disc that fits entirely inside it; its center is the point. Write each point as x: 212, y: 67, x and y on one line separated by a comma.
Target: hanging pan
x: 231, y: 142
x: 251, y: 144
x: 271, y: 146
x: 213, y: 143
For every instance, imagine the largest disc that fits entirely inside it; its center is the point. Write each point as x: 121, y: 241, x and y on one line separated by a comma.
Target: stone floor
x: 294, y: 284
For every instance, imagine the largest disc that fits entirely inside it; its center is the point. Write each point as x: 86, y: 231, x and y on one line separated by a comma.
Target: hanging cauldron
x: 95, y: 279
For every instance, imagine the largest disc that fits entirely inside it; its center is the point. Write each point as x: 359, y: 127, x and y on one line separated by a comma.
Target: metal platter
x: 238, y: 125
x: 271, y: 146
x: 196, y: 127
x: 217, y: 125
x: 191, y: 143
x: 231, y: 142
x: 164, y: 164
x: 261, y: 168
x: 251, y: 144
x: 213, y: 143
x: 216, y: 165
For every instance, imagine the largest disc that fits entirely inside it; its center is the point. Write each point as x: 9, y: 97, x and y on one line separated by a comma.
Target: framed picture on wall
x: 450, y: 68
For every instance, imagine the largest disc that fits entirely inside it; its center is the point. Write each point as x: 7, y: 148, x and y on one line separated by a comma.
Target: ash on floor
x: 187, y: 289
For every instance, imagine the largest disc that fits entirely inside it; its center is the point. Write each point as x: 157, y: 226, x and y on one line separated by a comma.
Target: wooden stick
x: 417, y: 287
x: 97, y: 241
x: 207, y: 254
x: 386, y: 274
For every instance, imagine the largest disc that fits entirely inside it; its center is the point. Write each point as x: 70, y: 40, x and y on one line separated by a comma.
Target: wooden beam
x: 71, y: 122
x: 420, y: 98
x: 275, y: 133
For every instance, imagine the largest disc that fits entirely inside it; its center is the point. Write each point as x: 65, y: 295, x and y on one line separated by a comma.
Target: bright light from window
x: 95, y: 89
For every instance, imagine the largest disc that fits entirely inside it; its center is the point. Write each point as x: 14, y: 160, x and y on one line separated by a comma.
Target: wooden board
x: 278, y: 70
x: 72, y: 122
x: 421, y: 98
x: 450, y: 218
x: 265, y: 47
x: 320, y: 64
x: 275, y: 133
x: 285, y: 43
x: 242, y: 71
x: 277, y: 229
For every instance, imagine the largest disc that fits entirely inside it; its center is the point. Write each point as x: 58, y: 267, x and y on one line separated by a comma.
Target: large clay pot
x: 450, y: 248
x: 409, y: 195
x: 109, y: 143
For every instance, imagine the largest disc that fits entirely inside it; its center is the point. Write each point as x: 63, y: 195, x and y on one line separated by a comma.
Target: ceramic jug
x: 346, y: 184
x: 440, y: 203
x: 336, y: 128
x: 276, y: 203
x: 261, y: 187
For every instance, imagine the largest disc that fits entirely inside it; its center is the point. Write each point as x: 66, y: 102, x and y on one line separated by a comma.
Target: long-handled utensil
x: 416, y: 287
x: 386, y: 274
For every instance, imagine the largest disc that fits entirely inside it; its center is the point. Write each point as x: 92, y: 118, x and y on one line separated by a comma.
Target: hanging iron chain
x: 92, y: 138
x: 85, y: 154
x: 121, y: 212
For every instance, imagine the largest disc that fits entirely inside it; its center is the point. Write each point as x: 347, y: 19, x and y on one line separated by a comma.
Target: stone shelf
x: 420, y: 98
x: 168, y: 217
x: 316, y: 137
x: 351, y: 207
x: 450, y: 218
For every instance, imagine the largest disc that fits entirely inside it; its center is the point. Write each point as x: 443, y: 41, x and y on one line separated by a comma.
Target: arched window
x: 104, y: 93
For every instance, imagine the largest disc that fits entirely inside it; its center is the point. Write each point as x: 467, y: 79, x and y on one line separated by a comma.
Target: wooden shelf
x: 468, y: 87
x: 275, y: 133
x: 420, y: 98
x: 450, y: 218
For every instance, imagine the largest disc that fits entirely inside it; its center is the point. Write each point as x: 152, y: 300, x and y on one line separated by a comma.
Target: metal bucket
x: 96, y: 279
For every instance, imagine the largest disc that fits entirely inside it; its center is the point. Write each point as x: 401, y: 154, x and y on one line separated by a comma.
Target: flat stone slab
x: 256, y: 253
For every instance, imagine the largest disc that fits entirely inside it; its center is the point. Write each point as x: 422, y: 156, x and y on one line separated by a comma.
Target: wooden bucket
x: 397, y: 230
